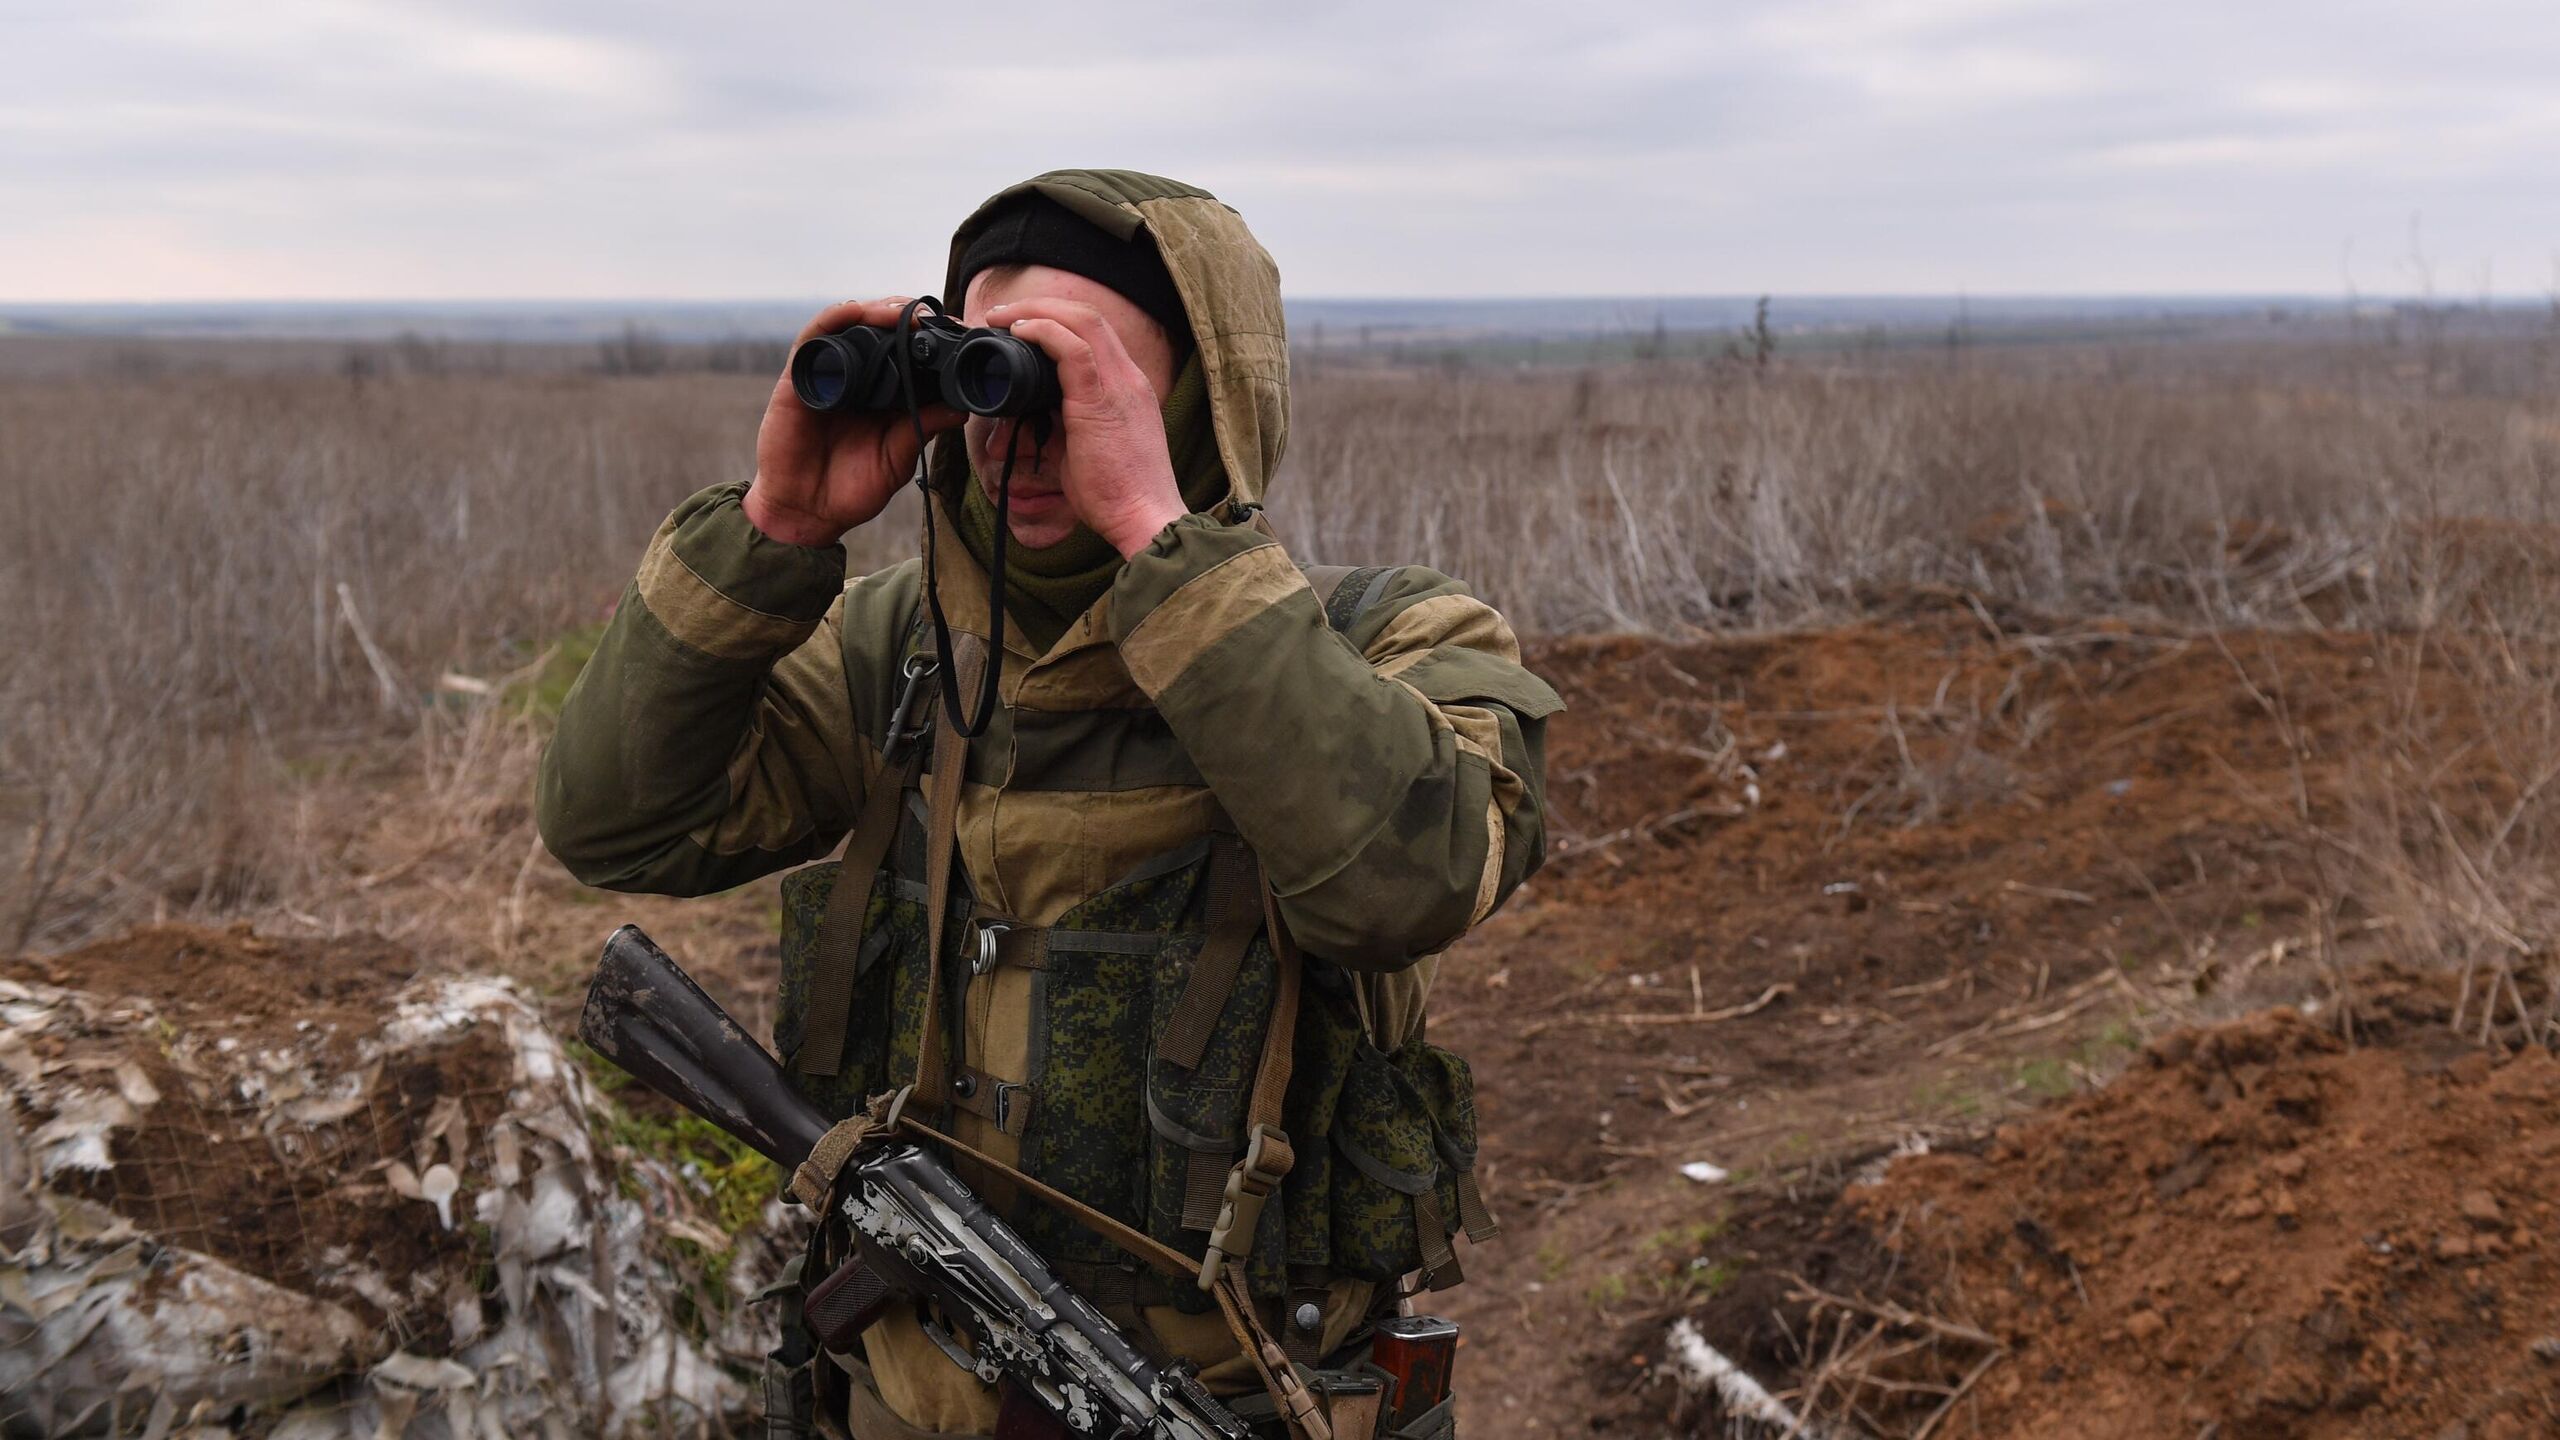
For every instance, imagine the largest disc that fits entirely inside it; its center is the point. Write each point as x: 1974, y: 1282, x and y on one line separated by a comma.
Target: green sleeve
x: 1391, y: 780
x: 710, y: 740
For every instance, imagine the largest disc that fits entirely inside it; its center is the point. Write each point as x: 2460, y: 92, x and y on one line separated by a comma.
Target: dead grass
x: 1668, y: 497
x: 212, y: 587
x: 2445, y: 839
x: 238, y: 606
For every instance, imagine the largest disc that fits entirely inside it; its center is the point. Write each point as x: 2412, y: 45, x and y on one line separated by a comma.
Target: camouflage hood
x: 1228, y: 285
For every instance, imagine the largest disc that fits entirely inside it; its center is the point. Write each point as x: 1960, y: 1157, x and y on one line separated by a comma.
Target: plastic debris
x: 1746, y: 1410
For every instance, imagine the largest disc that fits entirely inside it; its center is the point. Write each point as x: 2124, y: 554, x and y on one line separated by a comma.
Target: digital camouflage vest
x: 1147, y: 1035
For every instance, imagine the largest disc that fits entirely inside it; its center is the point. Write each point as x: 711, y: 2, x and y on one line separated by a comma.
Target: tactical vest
x: 1149, y: 1010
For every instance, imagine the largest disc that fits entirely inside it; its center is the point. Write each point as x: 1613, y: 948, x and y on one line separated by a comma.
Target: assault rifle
x: 919, y: 1235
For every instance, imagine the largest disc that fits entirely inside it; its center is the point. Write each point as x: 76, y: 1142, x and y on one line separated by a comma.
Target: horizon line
x: 2493, y: 299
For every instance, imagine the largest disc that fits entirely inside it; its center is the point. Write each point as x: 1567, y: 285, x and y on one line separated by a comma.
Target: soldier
x: 1198, y: 748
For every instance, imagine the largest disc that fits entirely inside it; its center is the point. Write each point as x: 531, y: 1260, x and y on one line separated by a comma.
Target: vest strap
x: 1439, y: 1261
x: 1002, y: 943
x: 1472, y: 1211
x: 1235, y: 884
x: 1204, y: 1187
x: 837, y: 961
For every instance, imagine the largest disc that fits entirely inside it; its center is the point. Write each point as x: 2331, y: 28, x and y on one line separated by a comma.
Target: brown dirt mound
x: 2259, y: 1231
x: 233, y: 976
x: 1937, y: 749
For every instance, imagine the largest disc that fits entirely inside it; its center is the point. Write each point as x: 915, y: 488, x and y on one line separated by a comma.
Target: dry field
x: 1950, y: 728
x: 219, y: 587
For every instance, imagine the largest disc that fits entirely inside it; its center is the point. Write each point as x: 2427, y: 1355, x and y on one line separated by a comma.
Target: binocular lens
x: 823, y: 381
x: 826, y: 371
x: 995, y: 374
x: 985, y: 387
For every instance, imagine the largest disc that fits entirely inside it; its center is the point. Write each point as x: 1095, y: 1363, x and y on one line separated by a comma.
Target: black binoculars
x: 970, y: 368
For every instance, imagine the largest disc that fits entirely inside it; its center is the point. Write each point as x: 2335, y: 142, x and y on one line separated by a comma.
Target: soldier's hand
x: 1121, y: 482
x: 818, y: 476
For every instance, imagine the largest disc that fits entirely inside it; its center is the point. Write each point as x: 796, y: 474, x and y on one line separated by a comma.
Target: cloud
x: 580, y: 148
x: 385, y: 46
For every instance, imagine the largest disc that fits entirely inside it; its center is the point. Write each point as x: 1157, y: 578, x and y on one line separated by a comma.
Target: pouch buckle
x: 1267, y: 1161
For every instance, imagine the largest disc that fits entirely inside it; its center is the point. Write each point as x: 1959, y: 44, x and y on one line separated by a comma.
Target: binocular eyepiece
x: 971, y: 369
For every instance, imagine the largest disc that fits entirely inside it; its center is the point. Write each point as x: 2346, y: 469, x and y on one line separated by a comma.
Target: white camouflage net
x: 407, y: 1233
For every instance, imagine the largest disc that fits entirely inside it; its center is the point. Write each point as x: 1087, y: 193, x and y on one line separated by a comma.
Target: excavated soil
x: 1884, y: 836
x: 235, y: 979
x: 1811, y: 896
x: 2258, y: 1231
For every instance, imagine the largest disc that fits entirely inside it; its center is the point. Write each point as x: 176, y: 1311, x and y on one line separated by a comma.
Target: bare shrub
x: 1663, y: 498
x: 2452, y: 824
x: 1960, y: 763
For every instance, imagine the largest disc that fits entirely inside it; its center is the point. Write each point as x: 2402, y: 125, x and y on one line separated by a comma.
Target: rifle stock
x: 646, y: 1015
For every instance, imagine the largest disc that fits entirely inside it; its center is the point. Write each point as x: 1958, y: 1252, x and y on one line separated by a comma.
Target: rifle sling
x: 839, y: 945
x: 816, y: 1177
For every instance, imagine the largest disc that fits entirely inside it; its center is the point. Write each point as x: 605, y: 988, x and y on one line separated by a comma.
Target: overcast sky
x: 671, y: 149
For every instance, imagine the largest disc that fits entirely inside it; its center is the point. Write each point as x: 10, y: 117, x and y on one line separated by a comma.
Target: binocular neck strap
x: 953, y: 715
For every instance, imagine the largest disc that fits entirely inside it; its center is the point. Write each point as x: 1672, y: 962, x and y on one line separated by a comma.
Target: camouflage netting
x: 389, y: 1221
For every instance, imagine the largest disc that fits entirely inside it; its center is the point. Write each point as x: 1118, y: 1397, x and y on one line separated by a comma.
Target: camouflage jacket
x: 1383, y: 763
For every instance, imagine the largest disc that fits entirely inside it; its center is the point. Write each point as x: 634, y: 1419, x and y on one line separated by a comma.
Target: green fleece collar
x: 1046, y: 589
